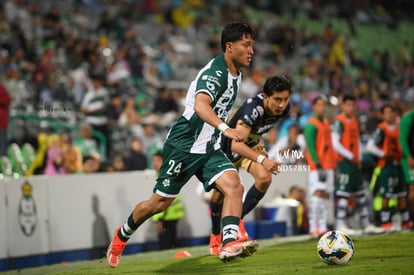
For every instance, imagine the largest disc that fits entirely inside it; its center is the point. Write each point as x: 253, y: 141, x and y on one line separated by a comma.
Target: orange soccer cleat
x: 115, y: 249
x: 215, y: 244
x: 242, y: 236
x: 237, y: 249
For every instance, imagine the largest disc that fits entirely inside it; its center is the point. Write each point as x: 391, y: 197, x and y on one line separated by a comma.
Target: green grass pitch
x: 381, y: 254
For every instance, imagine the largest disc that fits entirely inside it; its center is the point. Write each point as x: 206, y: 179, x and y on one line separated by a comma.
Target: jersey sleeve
x: 209, y: 82
x: 378, y: 136
x: 252, y: 113
x: 337, y: 127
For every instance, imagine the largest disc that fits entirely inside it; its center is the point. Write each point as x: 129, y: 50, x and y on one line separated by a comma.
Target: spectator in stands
x: 13, y: 83
x: 152, y: 81
x: 85, y: 142
x: 5, y: 100
x: 134, y: 54
x: 165, y: 109
x: 130, y: 118
x: 91, y: 164
x: 149, y: 138
x: 106, y: 166
x: 118, y: 163
x: 115, y: 108
x: 72, y: 156
x: 95, y: 106
x: 19, y: 60
x: 136, y: 158
x: 54, y: 158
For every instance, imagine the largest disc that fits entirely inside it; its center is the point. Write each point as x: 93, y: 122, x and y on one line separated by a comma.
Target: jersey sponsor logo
x: 211, y: 82
x: 222, y: 104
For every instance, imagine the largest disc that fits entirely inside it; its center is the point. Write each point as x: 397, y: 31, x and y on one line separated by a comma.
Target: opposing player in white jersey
x: 193, y: 148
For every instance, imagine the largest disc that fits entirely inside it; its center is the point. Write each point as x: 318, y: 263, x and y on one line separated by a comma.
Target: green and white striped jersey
x: 190, y: 133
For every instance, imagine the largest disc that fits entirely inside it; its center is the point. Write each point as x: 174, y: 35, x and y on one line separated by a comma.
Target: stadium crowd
x: 122, y: 67
x: 93, y: 86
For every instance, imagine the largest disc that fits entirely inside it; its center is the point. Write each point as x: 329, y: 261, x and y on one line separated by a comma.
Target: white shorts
x: 315, y: 184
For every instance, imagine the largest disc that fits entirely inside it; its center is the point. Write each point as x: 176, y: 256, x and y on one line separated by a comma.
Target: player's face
x: 276, y: 103
x: 241, y: 51
x: 389, y: 116
x: 349, y: 108
x: 156, y: 163
x: 319, y: 107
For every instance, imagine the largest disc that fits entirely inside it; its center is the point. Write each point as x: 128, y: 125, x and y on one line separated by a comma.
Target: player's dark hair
x: 388, y: 105
x: 234, y: 32
x: 319, y: 97
x: 349, y: 97
x: 158, y: 154
x: 277, y: 84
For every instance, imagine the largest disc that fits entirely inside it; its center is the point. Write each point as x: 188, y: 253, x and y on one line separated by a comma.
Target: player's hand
x: 356, y: 162
x: 271, y: 165
x: 235, y: 134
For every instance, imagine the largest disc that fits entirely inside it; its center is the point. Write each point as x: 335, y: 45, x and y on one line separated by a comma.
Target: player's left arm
x: 245, y: 151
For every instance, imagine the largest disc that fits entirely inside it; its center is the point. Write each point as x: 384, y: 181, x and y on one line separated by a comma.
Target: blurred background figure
x: 95, y: 105
x: 91, y: 164
x: 320, y: 157
x: 385, y: 145
x: 72, y: 156
x: 136, y: 159
x: 5, y: 100
x: 84, y: 140
x: 54, y: 158
x: 302, y: 223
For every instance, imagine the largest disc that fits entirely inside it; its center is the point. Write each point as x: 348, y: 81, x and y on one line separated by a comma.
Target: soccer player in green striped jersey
x: 192, y: 146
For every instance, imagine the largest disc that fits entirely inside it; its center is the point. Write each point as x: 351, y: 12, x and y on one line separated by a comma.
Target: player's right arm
x: 202, y: 106
x: 337, y: 129
x: 373, y: 143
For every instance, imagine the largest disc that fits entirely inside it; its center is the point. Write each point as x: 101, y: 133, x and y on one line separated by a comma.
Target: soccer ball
x: 335, y: 248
